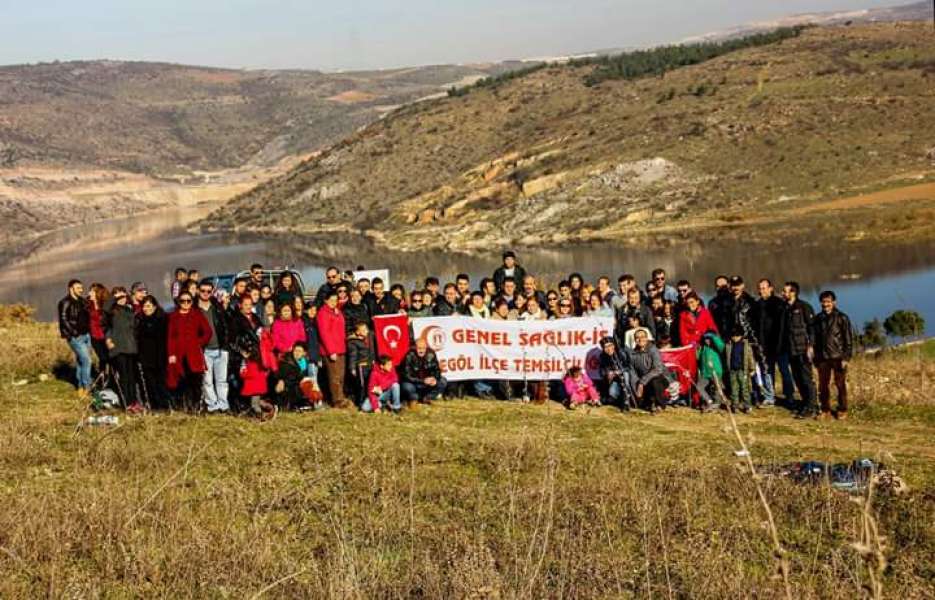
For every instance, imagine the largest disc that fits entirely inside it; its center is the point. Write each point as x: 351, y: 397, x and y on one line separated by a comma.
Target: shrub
x: 904, y: 323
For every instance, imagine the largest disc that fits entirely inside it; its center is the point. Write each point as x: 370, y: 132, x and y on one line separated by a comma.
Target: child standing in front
x: 740, y: 368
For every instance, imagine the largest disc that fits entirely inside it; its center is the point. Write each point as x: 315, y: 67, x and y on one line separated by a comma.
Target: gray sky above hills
x: 362, y: 34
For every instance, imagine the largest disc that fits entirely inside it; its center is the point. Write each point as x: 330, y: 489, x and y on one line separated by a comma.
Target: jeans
x: 482, y: 388
x: 81, y: 346
x: 388, y: 398
x: 215, y: 386
x: 788, y: 383
x: 417, y: 391
x: 764, y: 392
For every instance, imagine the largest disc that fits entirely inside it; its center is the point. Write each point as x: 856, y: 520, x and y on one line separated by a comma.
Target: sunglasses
x: 205, y: 291
x: 120, y: 297
x: 564, y: 305
x: 185, y: 301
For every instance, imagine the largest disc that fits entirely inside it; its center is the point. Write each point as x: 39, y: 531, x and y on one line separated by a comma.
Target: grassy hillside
x: 742, y: 138
x: 164, y: 119
x: 462, y: 499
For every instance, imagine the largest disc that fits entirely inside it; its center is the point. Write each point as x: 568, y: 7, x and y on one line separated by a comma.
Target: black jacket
x: 795, y: 328
x: 742, y: 315
x: 499, y: 276
x: 152, y: 342
x: 359, y: 354
x: 416, y: 368
x: 291, y: 375
x: 614, y: 367
x: 323, y: 292
x: 74, y: 319
x: 766, y: 319
x: 443, y: 308
x: 722, y: 310
x: 387, y: 305
x: 833, y: 336
x: 621, y: 325
x: 354, y: 314
x: 243, y: 338
x: 221, y: 323
x: 311, y: 338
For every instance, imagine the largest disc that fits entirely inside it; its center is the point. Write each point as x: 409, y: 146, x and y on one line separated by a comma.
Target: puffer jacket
x: 354, y: 314
x: 833, y: 336
x: 74, y: 319
x: 416, y: 368
x: 795, y: 328
x: 359, y: 354
x: 640, y: 310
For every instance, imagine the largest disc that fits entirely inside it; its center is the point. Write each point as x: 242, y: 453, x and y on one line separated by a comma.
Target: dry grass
x: 464, y: 499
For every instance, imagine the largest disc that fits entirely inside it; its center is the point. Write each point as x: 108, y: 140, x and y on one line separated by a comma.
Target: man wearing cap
x: 615, y: 371
x: 510, y: 268
x: 138, y: 291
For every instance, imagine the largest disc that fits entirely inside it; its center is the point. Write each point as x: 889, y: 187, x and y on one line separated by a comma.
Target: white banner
x: 470, y: 348
x: 383, y: 274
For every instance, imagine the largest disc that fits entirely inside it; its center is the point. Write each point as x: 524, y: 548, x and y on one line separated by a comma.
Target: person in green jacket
x: 709, y: 367
x: 740, y: 368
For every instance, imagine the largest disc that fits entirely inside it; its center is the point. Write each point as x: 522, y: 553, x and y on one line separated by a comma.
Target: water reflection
x: 147, y: 248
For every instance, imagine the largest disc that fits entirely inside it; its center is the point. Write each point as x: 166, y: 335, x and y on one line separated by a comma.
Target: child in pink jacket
x: 580, y: 389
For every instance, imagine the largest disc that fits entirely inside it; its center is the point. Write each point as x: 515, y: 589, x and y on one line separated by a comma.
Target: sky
x: 364, y: 34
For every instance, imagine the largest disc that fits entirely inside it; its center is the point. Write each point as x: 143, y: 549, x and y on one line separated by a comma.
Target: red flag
x: 683, y: 363
x: 392, y: 333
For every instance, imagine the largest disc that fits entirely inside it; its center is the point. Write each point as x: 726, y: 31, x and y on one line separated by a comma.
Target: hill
x: 166, y: 119
x: 556, y: 155
x: 463, y: 499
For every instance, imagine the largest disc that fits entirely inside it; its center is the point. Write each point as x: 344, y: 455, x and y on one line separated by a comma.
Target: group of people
x: 263, y: 345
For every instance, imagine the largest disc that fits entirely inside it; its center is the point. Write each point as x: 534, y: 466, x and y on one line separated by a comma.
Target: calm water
x: 870, y: 280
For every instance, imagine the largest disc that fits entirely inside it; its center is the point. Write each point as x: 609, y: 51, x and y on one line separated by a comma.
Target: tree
x: 873, y: 335
x: 904, y: 323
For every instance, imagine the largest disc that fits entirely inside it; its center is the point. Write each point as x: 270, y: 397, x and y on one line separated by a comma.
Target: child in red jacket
x: 383, y: 387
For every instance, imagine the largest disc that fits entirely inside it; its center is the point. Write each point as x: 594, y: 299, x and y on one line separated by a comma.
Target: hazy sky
x: 356, y: 34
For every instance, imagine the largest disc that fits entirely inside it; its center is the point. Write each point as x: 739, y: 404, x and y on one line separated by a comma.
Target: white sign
x: 471, y: 348
x: 383, y: 274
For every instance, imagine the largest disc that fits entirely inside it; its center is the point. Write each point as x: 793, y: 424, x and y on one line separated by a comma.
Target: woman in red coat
x: 188, y: 334
x: 332, y: 338
x: 694, y: 322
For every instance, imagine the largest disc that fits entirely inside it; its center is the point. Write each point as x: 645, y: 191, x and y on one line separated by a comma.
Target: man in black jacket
x: 330, y: 286
x: 74, y: 325
x: 448, y: 304
x: 633, y: 308
x: 422, y: 379
x: 834, y: 347
x: 380, y: 302
x: 615, y: 373
x: 510, y: 268
x: 765, y: 318
x: 215, y: 385
x: 796, y: 339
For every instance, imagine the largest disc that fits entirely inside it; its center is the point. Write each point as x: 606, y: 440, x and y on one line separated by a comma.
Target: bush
x: 873, y: 335
x: 904, y: 323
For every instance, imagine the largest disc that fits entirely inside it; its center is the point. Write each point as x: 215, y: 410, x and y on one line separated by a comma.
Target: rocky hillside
x: 165, y: 120
x: 545, y: 157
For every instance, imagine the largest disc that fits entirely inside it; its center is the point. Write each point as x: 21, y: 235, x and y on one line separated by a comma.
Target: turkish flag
x: 684, y: 364
x: 392, y: 332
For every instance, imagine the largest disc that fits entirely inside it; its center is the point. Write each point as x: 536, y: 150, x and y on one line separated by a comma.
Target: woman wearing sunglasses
x: 188, y: 334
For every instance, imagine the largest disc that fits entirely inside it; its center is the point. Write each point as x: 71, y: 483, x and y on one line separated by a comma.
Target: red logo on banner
x: 392, y: 332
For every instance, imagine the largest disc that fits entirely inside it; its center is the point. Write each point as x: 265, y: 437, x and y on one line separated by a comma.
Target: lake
x: 871, y: 280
